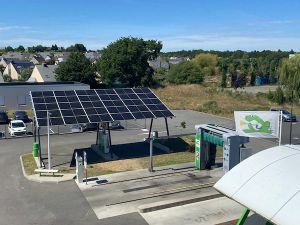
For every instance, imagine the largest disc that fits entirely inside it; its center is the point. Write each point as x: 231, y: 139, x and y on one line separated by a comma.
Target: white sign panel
x: 261, y: 124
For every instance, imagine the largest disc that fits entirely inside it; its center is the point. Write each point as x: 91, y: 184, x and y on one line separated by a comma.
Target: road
x: 29, y: 203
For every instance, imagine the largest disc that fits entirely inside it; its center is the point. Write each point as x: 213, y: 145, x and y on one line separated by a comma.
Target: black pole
x: 167, y: 127
x: 150, y: 129
x: 109, y: 137
x: 97, y: 133
x: 291, y: 122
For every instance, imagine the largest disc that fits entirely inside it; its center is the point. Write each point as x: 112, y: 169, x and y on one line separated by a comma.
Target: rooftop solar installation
x: 96, y: 106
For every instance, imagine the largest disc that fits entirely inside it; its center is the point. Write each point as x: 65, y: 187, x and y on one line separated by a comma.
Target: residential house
x: 48, y: 56
x: 61, y: 57
x: 37, y: 59
x: 159, y: 63
x: 176, y: 60
x: 93, y: 56
x: 5, y: 61
x: 14, y: 69
x: 18, y: 56
x: 43, y: 73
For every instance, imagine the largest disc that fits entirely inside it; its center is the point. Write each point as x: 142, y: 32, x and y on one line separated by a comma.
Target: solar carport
x: 267, y: 183
x: 100, y: 106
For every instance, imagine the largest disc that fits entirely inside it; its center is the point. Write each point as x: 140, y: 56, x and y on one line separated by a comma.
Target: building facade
x: 15, y: 96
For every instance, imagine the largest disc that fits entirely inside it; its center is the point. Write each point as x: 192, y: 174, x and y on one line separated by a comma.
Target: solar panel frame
x: 97, y: 105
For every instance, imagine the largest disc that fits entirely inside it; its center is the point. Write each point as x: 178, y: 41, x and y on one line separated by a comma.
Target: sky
x: 178, y: 24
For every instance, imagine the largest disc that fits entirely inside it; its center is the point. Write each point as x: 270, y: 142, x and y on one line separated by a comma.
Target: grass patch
x: 213, y: 100
x: 29, y: 164
x: 182, y: 155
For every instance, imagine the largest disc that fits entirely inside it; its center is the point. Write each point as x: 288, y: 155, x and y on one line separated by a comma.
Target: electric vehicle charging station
x: 208, y: 137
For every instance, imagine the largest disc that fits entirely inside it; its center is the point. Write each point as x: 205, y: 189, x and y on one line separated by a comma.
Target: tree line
x: 40, y: 48
x: 125, y: 63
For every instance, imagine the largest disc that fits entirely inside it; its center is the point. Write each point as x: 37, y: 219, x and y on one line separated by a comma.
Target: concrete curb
x: 173, y: 203
x: 44, y: 179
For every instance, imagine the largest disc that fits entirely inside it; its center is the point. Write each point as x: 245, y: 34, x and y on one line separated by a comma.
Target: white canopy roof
x: 267, y: 183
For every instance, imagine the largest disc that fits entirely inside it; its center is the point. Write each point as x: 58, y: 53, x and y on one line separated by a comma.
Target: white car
x: 16, y: 127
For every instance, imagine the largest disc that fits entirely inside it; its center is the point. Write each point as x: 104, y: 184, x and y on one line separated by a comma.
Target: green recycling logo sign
x: 257, y: 123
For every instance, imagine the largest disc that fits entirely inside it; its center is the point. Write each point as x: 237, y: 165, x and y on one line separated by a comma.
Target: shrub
x: 210, y: 107
x: 278, y: 96
x: 183, y: 124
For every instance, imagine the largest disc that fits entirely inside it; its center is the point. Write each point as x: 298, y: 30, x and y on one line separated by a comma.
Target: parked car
x: 78, y: 128
x: 21, y: 115
x: 286, y: 115
x: 16, y: 127
x: 115, y: 125
x: 3, y: 118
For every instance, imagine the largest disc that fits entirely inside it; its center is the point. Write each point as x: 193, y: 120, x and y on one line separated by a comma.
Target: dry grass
x: 134, y: 164
x: 212, y: 100
x: 29, y: 164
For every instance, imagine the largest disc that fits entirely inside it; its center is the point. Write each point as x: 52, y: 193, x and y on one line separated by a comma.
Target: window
x: 2, y: 101
x: 21, y: 100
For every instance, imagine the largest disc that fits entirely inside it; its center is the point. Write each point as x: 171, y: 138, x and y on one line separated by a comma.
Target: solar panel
x: 97, y: 105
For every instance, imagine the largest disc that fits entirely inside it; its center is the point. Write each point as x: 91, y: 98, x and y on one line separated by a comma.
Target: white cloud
x: 217, y: 42
x: 14, y: 27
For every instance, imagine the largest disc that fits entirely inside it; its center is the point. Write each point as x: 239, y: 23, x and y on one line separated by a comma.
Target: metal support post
x: 291, y: 123
x: 243, y: 217
x: 167, y: 127
x: 109, y: 137
x: 150, y: 129
x: 97, y: 141
x: 48, y: 128
x: 151, y: 156
x: 280, y: 128
x: 34, y: 129
x: 40, y: 148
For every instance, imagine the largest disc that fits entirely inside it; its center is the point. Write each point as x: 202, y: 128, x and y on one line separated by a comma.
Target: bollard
x: 35, y: 149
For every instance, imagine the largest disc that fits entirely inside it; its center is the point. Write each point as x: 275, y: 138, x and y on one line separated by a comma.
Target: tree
x: 54, y: 48
x: 185, y: 73
x: 76, y: 48
x: 25, y: 74
x: 76, y: 68
x: 9, y: 49
x: 126, y: 61
x: 290, y: 75
x: 224, y: 70
x: 20, y: 48
x: 253, y: 72
x: 7, y: 78
x: 207, y: 62
x: 38, y: 48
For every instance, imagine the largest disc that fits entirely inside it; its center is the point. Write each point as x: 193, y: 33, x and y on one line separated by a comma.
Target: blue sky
x: 179, y: 24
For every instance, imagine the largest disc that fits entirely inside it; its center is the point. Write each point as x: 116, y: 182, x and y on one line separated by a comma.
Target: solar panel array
x: 96, y: 106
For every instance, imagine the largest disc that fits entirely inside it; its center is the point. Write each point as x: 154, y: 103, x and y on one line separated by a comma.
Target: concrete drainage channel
x: 141, y: 191
x: 170, y: 192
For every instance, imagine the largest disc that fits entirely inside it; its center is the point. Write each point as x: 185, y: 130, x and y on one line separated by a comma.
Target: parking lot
x: 51, y: 203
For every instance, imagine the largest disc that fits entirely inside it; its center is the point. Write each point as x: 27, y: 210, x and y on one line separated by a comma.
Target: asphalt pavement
x: 29, y: 203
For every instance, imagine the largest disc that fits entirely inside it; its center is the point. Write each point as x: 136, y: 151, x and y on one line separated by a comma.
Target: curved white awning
x: 268, y: 183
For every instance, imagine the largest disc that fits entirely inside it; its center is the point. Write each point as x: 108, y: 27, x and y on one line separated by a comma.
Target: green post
x: 243, y: 217
x: 197, y: 149
x: 269, y: 223
x: 35, y: 149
